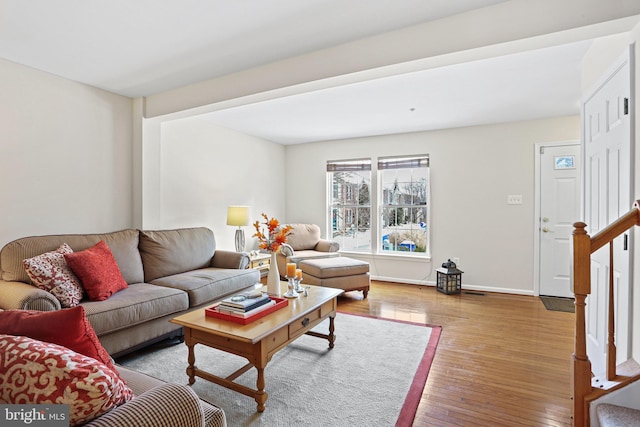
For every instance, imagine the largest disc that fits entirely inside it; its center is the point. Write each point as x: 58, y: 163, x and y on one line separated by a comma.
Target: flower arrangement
x: 273, y: 236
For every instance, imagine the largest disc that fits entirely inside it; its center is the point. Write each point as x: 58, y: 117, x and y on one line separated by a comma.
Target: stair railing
x: 585, y: 387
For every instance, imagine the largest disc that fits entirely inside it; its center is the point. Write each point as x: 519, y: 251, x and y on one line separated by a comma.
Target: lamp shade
x: 238, y: 215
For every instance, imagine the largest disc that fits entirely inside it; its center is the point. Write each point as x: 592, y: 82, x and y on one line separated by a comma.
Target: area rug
x: 375, y: 375
x: 559, y: 304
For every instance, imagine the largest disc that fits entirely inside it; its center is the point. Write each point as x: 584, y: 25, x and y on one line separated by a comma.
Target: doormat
x: 559, y: 304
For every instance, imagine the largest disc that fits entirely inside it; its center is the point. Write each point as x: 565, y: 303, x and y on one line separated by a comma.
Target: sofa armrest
x: 229, y: 259
x: 167, y: 405
x: 327, y: 246
x: 22, y: 296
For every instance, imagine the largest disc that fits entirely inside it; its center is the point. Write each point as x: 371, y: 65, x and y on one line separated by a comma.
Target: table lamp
x: 238, y: 216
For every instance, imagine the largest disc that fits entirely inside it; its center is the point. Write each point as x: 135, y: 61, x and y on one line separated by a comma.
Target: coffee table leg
x: 191, y: 358
x: 261, y: 395
x: 332, y: 329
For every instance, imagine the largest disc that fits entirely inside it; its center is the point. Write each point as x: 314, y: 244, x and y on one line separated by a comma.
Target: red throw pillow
x: 97, y: 270
x: 68, y: 327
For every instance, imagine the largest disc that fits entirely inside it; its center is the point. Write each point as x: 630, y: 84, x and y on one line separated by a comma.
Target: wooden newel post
x: 581, y: 366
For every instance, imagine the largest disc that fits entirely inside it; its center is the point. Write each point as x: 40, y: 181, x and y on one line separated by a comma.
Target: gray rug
x: 374, y: 376
x: 559, y: 304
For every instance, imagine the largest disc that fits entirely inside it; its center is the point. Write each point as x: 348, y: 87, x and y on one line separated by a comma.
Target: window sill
x: 383, y: 255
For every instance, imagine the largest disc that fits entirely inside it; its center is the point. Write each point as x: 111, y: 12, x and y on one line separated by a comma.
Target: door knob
x: 545, y: 219
x: 546, y: 230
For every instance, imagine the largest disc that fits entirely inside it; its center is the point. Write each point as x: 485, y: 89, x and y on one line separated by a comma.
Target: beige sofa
x: 168, y: 272
x: 303, y: 243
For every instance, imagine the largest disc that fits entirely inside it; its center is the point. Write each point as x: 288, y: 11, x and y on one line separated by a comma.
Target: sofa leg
x: 365, y: 292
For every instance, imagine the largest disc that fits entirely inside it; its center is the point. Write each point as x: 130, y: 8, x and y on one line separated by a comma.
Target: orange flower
x: 275, y: 235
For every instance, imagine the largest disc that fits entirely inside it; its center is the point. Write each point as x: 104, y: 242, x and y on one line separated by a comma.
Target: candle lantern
x: 449, y: 278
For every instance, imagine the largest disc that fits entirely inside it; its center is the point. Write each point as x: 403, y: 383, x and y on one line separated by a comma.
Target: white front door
x: 559, y: 176
x: 607, y: 164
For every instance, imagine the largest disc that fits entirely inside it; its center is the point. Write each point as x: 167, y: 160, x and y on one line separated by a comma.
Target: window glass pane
x: 406, y: 231
x: 350, y: 207
x: 403, y: 188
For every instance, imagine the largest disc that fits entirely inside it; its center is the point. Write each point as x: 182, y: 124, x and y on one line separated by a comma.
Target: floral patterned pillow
x: 50, y: 272
x: 36, y: 372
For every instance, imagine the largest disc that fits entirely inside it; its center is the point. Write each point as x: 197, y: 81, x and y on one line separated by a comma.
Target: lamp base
x: 240, y: 242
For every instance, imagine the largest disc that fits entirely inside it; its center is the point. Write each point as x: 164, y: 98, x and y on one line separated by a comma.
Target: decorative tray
x: 214, y: 312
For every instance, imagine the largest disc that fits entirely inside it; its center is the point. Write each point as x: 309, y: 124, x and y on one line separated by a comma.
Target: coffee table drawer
x: 328, y: 307
x: 300, y: 325
x: 276, y: 339
x: 222, y: 343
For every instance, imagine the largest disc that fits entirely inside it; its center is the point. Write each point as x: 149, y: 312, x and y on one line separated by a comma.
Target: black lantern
x: 449, y: 278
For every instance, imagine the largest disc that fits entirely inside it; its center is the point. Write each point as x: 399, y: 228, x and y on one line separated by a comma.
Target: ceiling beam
x: 504, y: 28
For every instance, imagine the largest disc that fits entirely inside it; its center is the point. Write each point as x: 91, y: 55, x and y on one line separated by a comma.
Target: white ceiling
x: 537, y: 84
x: 143, y: 47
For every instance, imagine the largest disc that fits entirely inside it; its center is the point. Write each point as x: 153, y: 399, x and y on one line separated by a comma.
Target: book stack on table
x: 245, y: 305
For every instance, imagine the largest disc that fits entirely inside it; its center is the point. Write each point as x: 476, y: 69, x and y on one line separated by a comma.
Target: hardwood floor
x: 502, y: 360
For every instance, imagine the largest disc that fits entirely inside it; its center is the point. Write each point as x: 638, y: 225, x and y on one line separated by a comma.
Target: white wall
x: 603, y: 52
x: 65, y: 156
x: 473, y: 170
x: 205, y: 168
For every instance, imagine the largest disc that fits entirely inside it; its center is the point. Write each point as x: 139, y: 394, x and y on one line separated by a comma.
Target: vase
x: 273, y: 278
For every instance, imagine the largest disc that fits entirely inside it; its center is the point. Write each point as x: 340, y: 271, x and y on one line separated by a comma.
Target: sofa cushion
x: 37, y: 372
x: 175, y: 251
x: 208, y: 284
x: 50, y: 272
x: 304, y: 236
x: 68, y: 327
x: 137, y: 304
x: 123, y: 245
x: 97, y: 270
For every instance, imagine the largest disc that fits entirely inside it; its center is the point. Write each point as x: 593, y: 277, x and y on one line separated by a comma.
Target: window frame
x: 353, y: 165
x: 376, y: 205
x: 389, y: 163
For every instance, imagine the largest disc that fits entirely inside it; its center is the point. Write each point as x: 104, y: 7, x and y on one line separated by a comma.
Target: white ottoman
x: 342, y: 273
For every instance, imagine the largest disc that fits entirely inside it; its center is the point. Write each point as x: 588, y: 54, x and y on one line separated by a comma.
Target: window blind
x: 349, y: 165
x: 404, y: 162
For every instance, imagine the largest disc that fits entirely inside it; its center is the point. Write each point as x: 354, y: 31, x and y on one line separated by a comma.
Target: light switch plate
x: 514, y: 199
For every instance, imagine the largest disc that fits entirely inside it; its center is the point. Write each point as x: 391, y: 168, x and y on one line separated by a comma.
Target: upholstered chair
x: 305, y: 242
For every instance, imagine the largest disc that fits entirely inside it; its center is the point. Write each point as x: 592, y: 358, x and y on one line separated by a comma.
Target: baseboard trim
x: 476, y: 288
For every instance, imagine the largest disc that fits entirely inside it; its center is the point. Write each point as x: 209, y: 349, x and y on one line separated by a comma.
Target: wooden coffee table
x: 258, y: 341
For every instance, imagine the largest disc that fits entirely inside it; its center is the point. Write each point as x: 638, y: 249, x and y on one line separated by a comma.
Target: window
x: 403, y: 202
x: 350, y: 203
